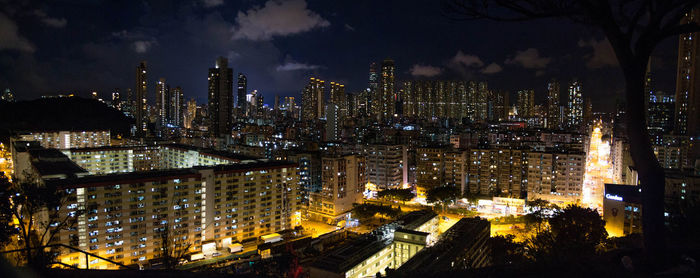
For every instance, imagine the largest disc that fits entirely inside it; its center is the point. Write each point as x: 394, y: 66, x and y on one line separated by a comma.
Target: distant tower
x: 687, y: 80
x: 140, y: 106
x: 553, y: 119
x: 388, y: 91
x: 312, y: 100
x: 162, y: 101
x: 338, y: 98
x: 220, y: 99
x: 526, y: 103
x: 175, y: 114
x: 241, y: 92
x: 373, y: 96
x: 575, y: 105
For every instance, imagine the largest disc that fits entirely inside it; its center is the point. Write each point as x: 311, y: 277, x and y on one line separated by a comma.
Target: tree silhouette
x: 401, y: 195
x: 35, y: 206
x: 634, y: 28
x: 442, y: 195
x: 573, y: 233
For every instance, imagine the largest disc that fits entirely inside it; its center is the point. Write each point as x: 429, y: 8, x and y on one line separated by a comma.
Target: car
x: 217, y: 254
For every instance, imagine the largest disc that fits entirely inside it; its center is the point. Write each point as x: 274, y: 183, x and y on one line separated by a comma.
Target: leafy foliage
x: 402, y: 195
x: 573, y: 233
x: 26, y: 201
x: 442, y: 195
x: 506, y: 251
x: 368, y: 210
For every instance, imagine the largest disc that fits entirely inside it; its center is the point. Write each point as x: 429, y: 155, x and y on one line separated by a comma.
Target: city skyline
x: 322, y: 41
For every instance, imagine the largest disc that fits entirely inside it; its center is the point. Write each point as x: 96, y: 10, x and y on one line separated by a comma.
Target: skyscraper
x: 220, y: 98
x: 553, y: 119
x: 373, y: 106
x: 242, y: 90
x: 162, y: 101
x: 175, y: 114
x: 687, y: 80
x: 526, y: 103
x: 140, y: 106
x: 388, y: 90
x: 312, y: 100
x: 339, y: 99
x: 575, y: 105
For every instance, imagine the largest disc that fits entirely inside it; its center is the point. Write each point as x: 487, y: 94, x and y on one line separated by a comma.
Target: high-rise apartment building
x: 386, y: 165
x: 688, y: 79
x: 575, y: 105
x: 241, y: 90
x: 553, y: 115
x: 175, y: 109
x: 220, y: 98
x: 388, y: 90
x: 373, y: 96
x: 526, y: 104
x: 162, y: 101
x: 312, y: 104
x: 342, y: 179
x: 339, y: 98
x: 140, y: 104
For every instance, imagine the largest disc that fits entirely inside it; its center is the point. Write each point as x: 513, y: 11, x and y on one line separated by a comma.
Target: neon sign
x: 613, y: 197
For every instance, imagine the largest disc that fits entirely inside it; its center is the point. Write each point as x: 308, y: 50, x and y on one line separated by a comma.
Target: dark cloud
x: 10, y: 39
x: 296, y: 66
x: 529, y: 59
x: 212, y: 3
x: 276, y: 18
x: 491, y: 69
x: 602, y: 56
x: 50, y: 21
x: 425, y: 70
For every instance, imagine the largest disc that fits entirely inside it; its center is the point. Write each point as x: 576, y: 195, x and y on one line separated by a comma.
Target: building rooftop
x: 452, y: 244
x: 415, y: 219
x: 52, y: 162
x: 349, y: 255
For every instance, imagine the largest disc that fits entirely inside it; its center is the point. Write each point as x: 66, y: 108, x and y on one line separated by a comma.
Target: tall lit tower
x: 339, y: 99
x: 553, y: 116
x: 162, y: 101
x: 388, y: 92
x: 140, y: 92
x: 312, y: 100
x: 373, y: 96
x: 241, y: 92
x: 575, y: 105
x: 176, y: 106
x: 526, y: 103
x: 220, y: 98
x: 687, y: 80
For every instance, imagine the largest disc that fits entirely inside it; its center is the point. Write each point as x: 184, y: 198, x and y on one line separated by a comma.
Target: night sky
x: 83, y: 46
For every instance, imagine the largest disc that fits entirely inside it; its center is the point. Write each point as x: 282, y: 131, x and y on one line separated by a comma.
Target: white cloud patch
x: 276, y: 18
x: 491, y: 69
x: 602, y: 56
x: 291, y: 66
x: 142, y: 46
x: 349, y: 28
x: 212, y: 3
x: 50, y: 21
x: 10, y: 38
x: 466, y: 60
x: 425, y: 70
x: 529, y: 59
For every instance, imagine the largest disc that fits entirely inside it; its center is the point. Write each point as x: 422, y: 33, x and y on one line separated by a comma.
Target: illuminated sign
x: 613, y: 197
